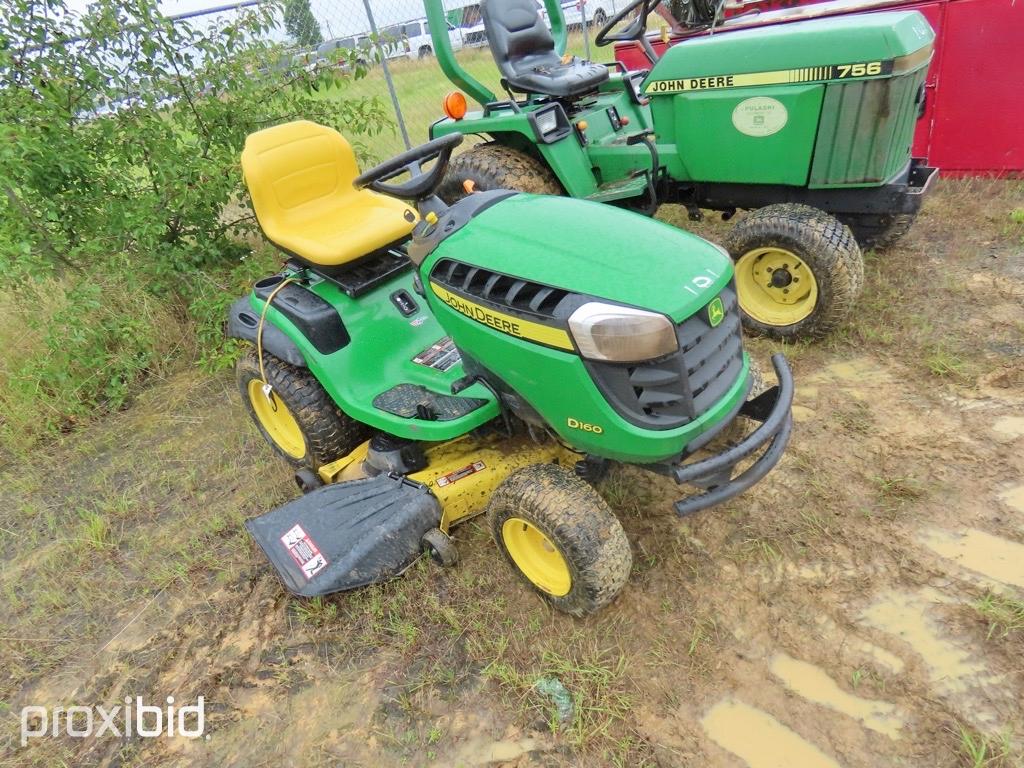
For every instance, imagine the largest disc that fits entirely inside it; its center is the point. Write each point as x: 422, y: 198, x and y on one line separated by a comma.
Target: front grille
x: 674, y: 390
x: 498, y: 289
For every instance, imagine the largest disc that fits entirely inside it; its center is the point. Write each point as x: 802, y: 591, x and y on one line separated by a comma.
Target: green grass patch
x: 980, y: 750
x: 1005, y: 615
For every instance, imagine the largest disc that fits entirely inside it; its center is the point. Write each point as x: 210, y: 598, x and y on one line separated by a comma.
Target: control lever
x: 645, y: 137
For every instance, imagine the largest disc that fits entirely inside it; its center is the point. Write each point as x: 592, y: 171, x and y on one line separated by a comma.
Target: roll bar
x: 437, y: 20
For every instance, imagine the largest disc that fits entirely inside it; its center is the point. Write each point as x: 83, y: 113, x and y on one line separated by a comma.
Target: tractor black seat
x: 525, y: 54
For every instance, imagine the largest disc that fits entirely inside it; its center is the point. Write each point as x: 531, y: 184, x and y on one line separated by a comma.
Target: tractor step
x: 411, y: 401
x: 347, y: 535
x: 618, y: 190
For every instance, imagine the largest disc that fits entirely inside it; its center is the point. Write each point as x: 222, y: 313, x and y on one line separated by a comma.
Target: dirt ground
x: 863, y: 606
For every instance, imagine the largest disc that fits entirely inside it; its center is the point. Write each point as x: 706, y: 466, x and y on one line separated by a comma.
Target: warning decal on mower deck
x: 775, y: 77
x: 458, y: 474
x: 441, y: 355
x: 304, y: 551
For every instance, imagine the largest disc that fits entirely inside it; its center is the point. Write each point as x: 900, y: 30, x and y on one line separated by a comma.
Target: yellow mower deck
x: 462, y: 473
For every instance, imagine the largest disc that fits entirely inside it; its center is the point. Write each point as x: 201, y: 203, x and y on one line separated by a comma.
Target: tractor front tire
x: 495, y: 166
x: 299, y: 420
x: 879, y: 232
x: 560, y: 535
x: 799, y: 271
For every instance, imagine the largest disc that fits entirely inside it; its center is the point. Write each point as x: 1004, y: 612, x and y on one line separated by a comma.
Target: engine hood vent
x: 498, y: 289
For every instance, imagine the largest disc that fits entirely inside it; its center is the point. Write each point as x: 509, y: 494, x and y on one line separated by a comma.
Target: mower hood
x: 593, y: 249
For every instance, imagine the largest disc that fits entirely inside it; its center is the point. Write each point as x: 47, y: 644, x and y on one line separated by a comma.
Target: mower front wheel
x: 560, y: 535
x: 495, y: 166
x: 440, y: 547
x: 298, y: 418
x: 799, y: 271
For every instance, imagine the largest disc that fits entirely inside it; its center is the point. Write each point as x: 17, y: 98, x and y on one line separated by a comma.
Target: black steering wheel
x: 423, y: 183
x: 636, y: 28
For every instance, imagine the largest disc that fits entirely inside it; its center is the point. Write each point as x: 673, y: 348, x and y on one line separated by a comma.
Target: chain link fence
x: 403, y: 69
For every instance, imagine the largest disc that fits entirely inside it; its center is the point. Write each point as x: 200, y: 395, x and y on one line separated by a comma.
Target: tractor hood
x: 808, y: 45
x: 592, y: 249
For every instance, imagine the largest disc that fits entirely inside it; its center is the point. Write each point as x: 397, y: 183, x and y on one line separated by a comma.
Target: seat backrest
x: 515, y: 30
x: 291, y: 165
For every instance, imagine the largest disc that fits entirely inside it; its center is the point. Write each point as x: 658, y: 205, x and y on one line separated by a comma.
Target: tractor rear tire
x: 799, y: 271
x: 495, y: 166
x: 561, y: 537
x: 879, y: 232
x: 301, y: 421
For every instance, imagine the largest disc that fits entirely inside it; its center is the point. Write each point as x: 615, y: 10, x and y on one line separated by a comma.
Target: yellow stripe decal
x: 499, y: 321
x: 775, y: 77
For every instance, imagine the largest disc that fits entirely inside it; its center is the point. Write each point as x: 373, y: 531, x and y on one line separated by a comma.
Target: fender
x: 243, y: 323
x: 565, y: 157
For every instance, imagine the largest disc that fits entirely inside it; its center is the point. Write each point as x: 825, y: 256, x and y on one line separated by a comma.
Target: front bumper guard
x: 773, y: 408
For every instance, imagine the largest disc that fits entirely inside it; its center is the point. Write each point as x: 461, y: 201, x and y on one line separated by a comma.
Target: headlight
x: 621, y: 334
x: 547, y: 122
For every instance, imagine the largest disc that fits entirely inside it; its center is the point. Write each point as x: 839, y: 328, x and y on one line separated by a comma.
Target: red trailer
x: 973, y: 122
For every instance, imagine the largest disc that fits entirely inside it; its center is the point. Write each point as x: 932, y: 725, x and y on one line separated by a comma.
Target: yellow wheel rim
x: 535, y: 555
x: 775, y: 286
x: 277, y: 420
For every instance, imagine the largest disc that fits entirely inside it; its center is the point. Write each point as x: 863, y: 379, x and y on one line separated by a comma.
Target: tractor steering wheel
x: 423, y: 182
x: 636, y: 28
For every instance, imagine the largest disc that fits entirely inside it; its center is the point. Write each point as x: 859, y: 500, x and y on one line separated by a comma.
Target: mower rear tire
x: 561, y: 537
x: 879, y: 232
x: 300, y: 420
x: 495, y: 166
x: 799, y: 271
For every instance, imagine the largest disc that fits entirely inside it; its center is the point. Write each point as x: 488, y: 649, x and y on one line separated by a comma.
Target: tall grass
x: 70, y: 348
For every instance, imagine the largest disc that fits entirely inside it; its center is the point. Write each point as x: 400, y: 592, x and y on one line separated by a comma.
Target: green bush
x: 120, y: 188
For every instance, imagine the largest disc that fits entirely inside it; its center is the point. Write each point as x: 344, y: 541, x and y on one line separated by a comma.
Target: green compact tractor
x: 810, y: 123
x: 418, y: 362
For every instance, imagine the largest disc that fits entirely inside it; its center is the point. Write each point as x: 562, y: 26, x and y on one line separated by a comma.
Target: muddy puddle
x: 991, y: 556
x: 759, y: 739
x: 814, y: 684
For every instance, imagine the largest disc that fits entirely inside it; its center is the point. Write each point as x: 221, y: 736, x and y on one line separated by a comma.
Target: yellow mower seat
x: 300, y: 178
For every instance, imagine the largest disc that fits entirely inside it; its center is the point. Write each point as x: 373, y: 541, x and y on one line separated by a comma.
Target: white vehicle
x: 327, y: 49
x: 598, y: 12
x: 471, y: 24
x: 465, y: 16
x: 414, y: 37
x: 391, y: 46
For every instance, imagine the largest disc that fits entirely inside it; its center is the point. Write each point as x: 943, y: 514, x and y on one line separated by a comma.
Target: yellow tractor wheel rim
x: 535, y: 555
x: 775, y: 286
x: 277, y: 420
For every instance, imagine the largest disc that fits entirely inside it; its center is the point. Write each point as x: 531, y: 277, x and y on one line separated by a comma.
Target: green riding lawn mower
x: 420, y: 363
x: 810, y: 123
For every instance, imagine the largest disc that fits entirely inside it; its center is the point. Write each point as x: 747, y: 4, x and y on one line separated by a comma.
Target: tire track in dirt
x: 814, y: 684
x: 907, y: 636
x: 759, y: 739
